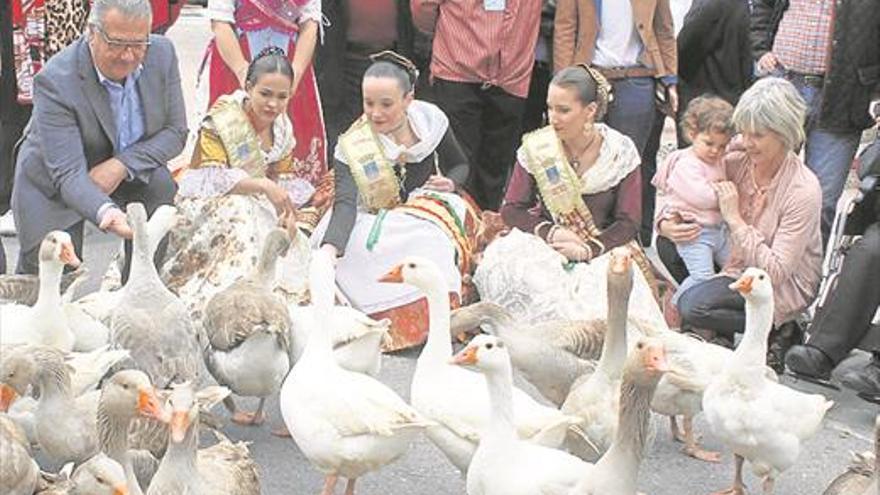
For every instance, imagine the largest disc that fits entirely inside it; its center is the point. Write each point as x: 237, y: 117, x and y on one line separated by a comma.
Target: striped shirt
x: 804, y: 36
x: 476, y: 45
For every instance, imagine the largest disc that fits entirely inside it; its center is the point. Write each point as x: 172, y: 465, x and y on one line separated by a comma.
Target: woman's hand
x: 678, y: 231
x: 728, y: 202
x: 279, y: 198
x: 573, y: 251
x: 440, y: 184
x: 562, y: 234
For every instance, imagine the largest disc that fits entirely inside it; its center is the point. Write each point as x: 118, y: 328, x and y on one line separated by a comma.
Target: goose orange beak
x: 654, y: 359
x: 68, y: 255
x: 120, y: 489
x: 179, y: 425
x: 620, y: 261
x: 468, y: 356
x: 7, y: 396
x: 395, y: 276
x: 743, y: 285
x: 148, y: 404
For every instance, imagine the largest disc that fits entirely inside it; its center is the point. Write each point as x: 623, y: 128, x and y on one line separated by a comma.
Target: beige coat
x: 577, y: 27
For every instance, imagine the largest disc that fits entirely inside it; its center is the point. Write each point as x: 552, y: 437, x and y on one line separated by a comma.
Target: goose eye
x: 640, y: 345
x: 760, y: 277
x: 489, y: 345
x: 411, y: 265
x: 99, y: 479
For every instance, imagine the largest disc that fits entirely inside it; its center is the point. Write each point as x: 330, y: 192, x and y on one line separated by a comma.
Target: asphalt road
x: 424, y: 470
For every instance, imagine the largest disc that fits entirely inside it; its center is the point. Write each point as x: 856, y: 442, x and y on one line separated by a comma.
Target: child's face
x: 709, y: 146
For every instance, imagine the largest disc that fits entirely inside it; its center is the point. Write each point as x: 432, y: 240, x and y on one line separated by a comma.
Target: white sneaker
x: 7, y: 224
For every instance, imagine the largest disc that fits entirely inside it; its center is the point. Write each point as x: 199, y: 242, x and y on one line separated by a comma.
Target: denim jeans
x: 701, y: 256
x: 829, y: 154
x: 632, y: 111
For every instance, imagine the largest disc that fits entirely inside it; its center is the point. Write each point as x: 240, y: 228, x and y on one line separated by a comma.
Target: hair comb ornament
x: 604, y: 92
x: 399, y: 60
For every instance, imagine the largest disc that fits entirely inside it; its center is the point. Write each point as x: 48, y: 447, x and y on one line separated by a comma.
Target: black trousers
x: 488, y: 123
x: 845, y: 318
x: 649, y: 168
x: 341, y: 114
x: 160, y: 190
x: 535, y: 113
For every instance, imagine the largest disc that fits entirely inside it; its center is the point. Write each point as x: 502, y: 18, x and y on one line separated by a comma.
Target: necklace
x: 575, y: 158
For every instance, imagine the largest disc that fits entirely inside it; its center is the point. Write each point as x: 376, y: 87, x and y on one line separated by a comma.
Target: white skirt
x: 401, y: 235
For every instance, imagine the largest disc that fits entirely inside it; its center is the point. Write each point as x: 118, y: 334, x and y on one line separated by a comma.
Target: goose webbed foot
x: 692, y: 449
x: 677, y: 434
x: 738, y: 488
x: 281, y: 431
x: 329, y: 484
x: 248, y: 418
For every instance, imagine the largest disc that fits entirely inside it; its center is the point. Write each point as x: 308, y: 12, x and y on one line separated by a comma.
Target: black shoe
x: 809, y: 361
x: 865, y: 381
x: 780, y: 341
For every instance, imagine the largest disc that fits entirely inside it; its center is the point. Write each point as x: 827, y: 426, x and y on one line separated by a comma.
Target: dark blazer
x: 73, y: 129
x: 853, y: 75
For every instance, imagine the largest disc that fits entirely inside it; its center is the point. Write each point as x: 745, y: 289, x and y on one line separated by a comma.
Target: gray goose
x: 18, y: 471
x: 549, y: 355
x: 100, y: 475
x: 222, y: 469
x: 860, y: 477
x: 248, y: 327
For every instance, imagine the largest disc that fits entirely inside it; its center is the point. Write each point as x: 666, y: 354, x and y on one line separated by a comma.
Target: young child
x: 685, y: 180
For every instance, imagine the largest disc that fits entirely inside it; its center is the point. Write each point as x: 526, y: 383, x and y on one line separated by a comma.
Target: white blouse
x: 224, y: 10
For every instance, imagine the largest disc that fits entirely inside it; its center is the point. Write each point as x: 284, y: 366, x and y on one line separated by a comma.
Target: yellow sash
x: 559, y: 187
x: 237, y: 135
x: 373, y: 172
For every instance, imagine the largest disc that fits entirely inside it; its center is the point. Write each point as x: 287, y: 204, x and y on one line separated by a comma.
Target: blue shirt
x: 125, y: 103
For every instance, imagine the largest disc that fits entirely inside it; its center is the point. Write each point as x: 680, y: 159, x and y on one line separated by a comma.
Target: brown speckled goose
x: 248, y: 327
x: 222, y: 469
x: 550, y: 355
x: 18, y: 471
x: 861, y: 477
x: 100, y: 475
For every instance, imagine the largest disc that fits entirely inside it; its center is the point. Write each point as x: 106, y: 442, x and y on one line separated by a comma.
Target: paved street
x: 424, y: 471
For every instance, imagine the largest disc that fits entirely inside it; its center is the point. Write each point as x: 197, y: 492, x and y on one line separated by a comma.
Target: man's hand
x: 767, y: 63
x: 114, y: 220
x: 108, y: 175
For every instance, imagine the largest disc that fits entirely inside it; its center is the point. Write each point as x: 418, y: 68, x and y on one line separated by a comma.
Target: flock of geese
x: 113, y: 388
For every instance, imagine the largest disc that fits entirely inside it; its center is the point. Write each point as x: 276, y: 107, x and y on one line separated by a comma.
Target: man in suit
x: 108, y: 116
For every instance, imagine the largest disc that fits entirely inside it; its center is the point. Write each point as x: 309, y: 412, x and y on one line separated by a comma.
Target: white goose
x: 596, y: 398
x: 150, y: 321
x: 345, y: 423
x: 504, y: 464
x: 44, y: 322
x: 455, y: 397
x: 758, y: 418
x: 248, y: 328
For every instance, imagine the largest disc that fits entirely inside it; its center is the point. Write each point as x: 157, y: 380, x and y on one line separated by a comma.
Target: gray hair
x: 773, y: 104
x: 130, y: 9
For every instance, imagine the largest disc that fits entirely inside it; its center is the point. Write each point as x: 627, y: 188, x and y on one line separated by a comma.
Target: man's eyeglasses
x: 120, y: 46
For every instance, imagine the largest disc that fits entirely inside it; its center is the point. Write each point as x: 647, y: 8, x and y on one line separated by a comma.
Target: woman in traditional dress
x: 397, y: 170
x: 239, y: 185
x: 243, y: 28
x: 575, y: 194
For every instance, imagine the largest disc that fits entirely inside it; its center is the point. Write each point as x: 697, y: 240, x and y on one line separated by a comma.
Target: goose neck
x: 439, y: 345
x: 49, y: 294
x: 752, y: 350
x: 500, y: 385
x: 614, y: 345
x: 633, y: 429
